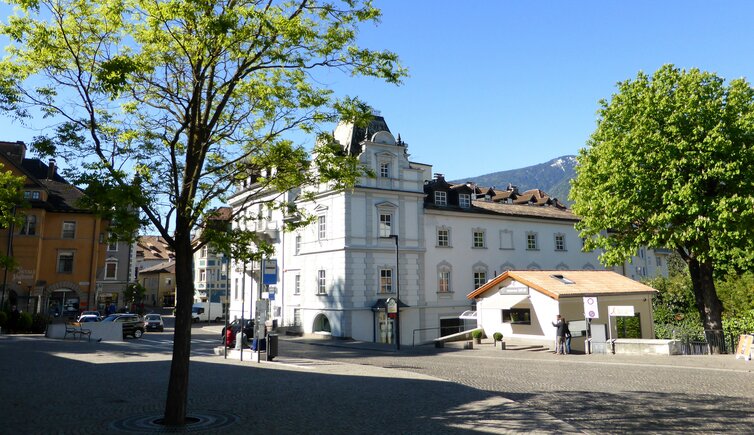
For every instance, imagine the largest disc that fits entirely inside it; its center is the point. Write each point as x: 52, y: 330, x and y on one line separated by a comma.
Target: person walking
x: 560, y: 326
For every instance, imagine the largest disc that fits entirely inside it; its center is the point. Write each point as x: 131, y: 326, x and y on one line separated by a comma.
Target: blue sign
x: 269, y: 271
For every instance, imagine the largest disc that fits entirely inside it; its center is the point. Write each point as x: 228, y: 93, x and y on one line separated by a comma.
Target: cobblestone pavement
x: 77, y: 387
x: 81, y: 387
x: 593, y: 393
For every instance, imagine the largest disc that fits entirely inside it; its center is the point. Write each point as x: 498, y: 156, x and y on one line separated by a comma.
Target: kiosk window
x: 517, y: 316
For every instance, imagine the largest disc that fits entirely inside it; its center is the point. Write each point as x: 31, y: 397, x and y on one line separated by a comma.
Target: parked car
x: 133, y: 324
x: 234, y: 326
x: 88, y: 318
x: 92, y: 313
x: 153, y: 322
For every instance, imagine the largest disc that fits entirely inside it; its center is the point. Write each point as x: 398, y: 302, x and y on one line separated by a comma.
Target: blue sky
x: 498, y: 85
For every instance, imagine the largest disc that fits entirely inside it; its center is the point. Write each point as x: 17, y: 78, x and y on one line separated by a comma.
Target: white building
x: 335, y: 276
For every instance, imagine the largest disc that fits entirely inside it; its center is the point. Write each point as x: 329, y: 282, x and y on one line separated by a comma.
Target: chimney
x: 51, y: 170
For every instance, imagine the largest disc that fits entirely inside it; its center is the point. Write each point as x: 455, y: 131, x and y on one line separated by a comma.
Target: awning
x: 381, y: 304
x: 508, y: 301
x: 468, y: 315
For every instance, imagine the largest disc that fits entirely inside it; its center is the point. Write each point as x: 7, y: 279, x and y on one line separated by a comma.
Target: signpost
x: 591, y: 311
x: 617, y: 311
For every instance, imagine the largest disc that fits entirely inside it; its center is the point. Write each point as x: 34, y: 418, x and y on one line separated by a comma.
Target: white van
x: 203, y: 311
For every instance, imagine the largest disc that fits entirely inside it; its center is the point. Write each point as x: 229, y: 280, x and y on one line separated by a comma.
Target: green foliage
x: 674, y: 300
x: 39, y: 323
x: 667, y: 166
x: 477, y: 333
x: 736, y: 292
x: 741, y: 324
x: 134, y: 293
x: 24, y: 322
x: 498, y: 336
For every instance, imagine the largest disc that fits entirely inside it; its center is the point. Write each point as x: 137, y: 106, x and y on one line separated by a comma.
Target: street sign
x: 620, y: 310
x: 269, y: 271
x: 591, y: 309
x: 392, y: 306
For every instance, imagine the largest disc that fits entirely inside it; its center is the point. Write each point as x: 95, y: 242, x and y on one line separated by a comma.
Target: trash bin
x: 272, y: 349
x: 258, y: 345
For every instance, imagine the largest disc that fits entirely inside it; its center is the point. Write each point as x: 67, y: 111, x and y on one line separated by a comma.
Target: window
x: 464, y: 200
x: 386, y: 220
x: 298, y: 244
x: 65, y: 262
x: 659, y: 261
x: 443, y: 237
x: 518, y: 316
x: 235, y: 290
x: 322, y: 227
x: 478, y: 239
x: 531, y: 241
x: 69, y: 230
x: 321, y: 282
x: 386, y: 280
x: 297, y: 285
x: 629, y: 327
x: 479, y: 279
x: 441, y: 198
x: 31, y: 195
x: 111, y: 270
x: 202, y: 275
x: 506, y: 239
x: 112, y: 243
x: 384, y: 170
x: 30, y: 225
x: 203, y: 252
x: 443, y: 281
x: 560, y: 242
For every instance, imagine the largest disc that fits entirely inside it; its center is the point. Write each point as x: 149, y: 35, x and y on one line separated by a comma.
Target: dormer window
x: 384, y: 170
x: 464, y: 200
x: 562, y: 279
x: 441, y: 198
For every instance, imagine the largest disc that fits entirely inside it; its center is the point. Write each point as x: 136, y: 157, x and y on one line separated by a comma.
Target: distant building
x: 159, y: 282
x: 404, y: 234
x: 60, y: 247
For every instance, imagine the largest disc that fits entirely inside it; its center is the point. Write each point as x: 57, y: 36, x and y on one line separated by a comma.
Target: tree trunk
x: 177, y: 398
x: 708, y: 304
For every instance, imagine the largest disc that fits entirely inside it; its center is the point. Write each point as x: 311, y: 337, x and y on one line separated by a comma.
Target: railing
x: 706, y: 345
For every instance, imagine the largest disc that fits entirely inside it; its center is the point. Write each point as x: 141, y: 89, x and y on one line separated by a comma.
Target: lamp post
x: 397, y: 294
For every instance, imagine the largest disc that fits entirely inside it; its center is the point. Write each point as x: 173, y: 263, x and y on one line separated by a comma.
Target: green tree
x: 169, y: 106
x: 11, y: 196
x: 669, y: 165
x: 134, y: 293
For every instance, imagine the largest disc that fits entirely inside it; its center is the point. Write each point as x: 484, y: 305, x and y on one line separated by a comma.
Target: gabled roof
x: 164, y: 267
x: 567, y: 283
x: 153, y: 248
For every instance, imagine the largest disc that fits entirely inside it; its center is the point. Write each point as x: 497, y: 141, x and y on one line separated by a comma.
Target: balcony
x: 267, y: 229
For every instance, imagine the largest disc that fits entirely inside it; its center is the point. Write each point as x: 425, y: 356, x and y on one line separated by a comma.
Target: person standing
x: 567, y: 336
x: 560, y: 326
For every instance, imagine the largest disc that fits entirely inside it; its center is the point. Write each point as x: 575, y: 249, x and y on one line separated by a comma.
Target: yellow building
x: 59, y: 246
x: 159, y: 282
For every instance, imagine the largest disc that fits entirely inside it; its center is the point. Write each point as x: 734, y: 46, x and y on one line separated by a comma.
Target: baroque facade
x: 404, y: 231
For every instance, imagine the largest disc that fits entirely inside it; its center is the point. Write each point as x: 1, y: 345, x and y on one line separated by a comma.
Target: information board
x: 744, y: 347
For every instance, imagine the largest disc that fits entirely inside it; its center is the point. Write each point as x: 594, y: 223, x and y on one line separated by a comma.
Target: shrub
x: 477, y: 333
x: 24, y: 322
x: 497, y: 336
x: 39, y: 323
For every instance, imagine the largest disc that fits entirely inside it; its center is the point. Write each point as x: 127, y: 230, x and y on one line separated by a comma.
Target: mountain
x: 553, y: 177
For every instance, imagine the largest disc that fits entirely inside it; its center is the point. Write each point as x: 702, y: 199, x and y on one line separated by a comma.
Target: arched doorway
x: 321, y: 323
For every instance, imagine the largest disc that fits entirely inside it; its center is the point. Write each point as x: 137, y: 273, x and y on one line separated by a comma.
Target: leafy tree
x: 167, y: 106
x: 736, y: 292
x: 134, y: 293
x: 669, y: 165
x: 11, y: 196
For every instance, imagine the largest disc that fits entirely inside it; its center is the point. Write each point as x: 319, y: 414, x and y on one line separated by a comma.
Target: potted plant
x: 498, y: 336
x: 477, y: 335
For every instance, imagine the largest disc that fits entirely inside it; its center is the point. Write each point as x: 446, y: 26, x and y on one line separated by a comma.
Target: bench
x: 74, y: 328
